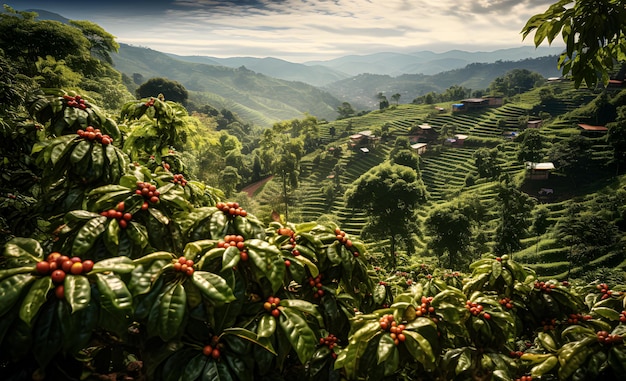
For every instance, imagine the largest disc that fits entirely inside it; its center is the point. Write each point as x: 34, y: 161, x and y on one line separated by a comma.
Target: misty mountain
x: 316, y: 75
x: 361, y: 90
x: 427, y: 62
x: 255, y: 97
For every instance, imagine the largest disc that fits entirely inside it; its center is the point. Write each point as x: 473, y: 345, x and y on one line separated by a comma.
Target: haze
x: 303, y: 30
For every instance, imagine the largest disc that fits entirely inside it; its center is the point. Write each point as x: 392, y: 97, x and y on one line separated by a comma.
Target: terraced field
x: 444, y: 169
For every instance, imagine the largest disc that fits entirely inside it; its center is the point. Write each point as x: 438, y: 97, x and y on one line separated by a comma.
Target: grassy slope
x: 255, y: 97
x: 444, y: 170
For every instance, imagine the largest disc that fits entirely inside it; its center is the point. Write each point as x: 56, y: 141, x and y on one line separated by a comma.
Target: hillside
x: 255, y: 97
x: 444, y: 170
x: 361, y: 90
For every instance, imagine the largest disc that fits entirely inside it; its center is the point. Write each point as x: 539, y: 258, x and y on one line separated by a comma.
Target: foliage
x: 531, y: 146
x: 487, y: 162
x: 389, y: 193
x: 171, y: 90
x: 516, y: 81
x: 593, y: 32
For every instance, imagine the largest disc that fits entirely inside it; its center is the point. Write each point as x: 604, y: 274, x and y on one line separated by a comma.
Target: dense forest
x: 148, y: 233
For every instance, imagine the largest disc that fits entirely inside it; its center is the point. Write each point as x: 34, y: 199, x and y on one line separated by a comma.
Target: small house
x: 592, y: 131
x: 538, y: 171
x: 494, y: 101
x: 533, y: 124
x: 420, y: 148
x: 458, y: 107
x: 422, y: 133
x: 457, y: 141
x: 363, y: 139
x: 475, y: 103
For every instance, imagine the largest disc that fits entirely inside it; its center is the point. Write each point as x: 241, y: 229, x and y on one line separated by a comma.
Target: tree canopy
x: 390, y: 194
x: 594, y: 32
x: 171, y: 90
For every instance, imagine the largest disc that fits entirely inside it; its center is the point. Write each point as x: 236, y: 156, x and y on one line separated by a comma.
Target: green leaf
x: 213, y: 287
x: 120, y: 265
x: 231, y: 257
x: 24, y: 248
x: 114, y: 296
x: 424, y: 353
x: 77, y: 291
x: 36, y: 297
x: 464, y: 363
x: 386, y: 347
x: 49, y: 334
x: 16, y: 270
x: 80, y: 151
x: 267, y: 326
x: 142, y: 276
x: 171, y: 310
x: 194, y: 367
x: 10, y: 290
x: 303, y: 306
x: 87, y: 235
x: 607, y: 313
x: 250, y: 336
x: 299, y: 334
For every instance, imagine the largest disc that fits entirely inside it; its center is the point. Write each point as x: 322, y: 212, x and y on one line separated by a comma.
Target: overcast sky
x: 303, y: 30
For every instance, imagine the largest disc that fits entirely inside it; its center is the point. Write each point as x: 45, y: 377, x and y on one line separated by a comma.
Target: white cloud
x: 300, y: 30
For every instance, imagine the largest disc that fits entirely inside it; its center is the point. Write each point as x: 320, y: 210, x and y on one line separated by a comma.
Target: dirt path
x: 250, y: 189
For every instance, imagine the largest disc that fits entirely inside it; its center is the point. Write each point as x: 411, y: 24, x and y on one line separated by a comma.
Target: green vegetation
x: 121, y: 258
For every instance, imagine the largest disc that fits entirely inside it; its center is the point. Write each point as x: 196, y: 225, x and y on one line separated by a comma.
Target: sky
x: 304, y: 30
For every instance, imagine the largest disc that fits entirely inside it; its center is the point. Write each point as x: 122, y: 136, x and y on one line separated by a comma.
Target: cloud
x: 319, y: 29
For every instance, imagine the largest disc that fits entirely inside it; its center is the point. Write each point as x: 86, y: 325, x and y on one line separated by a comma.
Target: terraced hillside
x: 444, y: 169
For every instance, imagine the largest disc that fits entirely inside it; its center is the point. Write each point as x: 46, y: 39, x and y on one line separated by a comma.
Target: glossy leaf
x: 24, y: 248
x: 36, y: 297
x: 77, y: 291
x: 213, y: 287
x: 120, y: 265
x: 11, y: 288
x: 87, y: 235
x: 299, y: 334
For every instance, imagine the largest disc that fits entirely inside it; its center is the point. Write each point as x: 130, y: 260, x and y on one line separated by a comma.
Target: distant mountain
x: 316, y: 75
x: 427, y: 62
x: 360, y: 91
x: 255, y: 97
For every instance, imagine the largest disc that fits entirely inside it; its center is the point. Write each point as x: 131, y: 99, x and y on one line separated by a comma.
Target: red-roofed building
x: 591, y: 130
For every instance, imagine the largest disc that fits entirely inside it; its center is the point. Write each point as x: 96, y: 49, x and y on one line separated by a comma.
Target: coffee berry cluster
x: 149, y: 193
x: 236, y: 241
x: 388, y: 324
x: 545, y: 287
x: 118, y: 213
x: 507, y: 303
x: 347, y: 243
x: 58, y: 266
x: 548, y: 325
x: 331, y: 342
x: 149, y: 103
x: 605, y: 291
x: 179, y: 179
x: 184, y: 266
x: 516, y: 354
x: 316, y: 284
x: 477, y: 309
x: 271, y: 306
x: 214, y: 348
x: 575, y: 318
x: 622, y: 317
x: 231, y: 208
x: 608, y: 338
x: 525, y: 378
x: 76, y: 101
x: 292, y: 241
x: 91, y: 134
x: 425, y: 308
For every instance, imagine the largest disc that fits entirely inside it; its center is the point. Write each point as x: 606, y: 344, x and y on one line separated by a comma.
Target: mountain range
x: 267, y: 90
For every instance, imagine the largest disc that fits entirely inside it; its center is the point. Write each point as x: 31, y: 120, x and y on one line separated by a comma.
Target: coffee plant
x: 138, y: 271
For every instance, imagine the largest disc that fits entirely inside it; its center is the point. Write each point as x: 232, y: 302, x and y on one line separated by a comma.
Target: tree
x: 587, y: 233
x: 396, y: 97
x: 531, y: 146
x: 229, y: 180
x: 345, y: 111
x: 572, y: 156
x: 383, y: 103
x: 487, y: 162
x: 389, y: 194
x: 594, y: 32
x: 616, y: 137
x: 540, y: 222
x: 450, y: 227
x: 514, y: 208
x: 171, y: 90
x: 517, y: 81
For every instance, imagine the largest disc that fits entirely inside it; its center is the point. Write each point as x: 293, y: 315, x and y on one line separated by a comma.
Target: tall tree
x: 531, y: 146
x: 390, y: 194
x: 345, y: 111
x: 450, y: 227
x: 487, y: 162
x: 514, y: 208
x: 594, y: 32
x: 396, y: 98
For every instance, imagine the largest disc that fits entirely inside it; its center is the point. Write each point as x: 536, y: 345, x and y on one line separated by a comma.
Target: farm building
x: 420, y: 148
x: 590, y: 130
x: 538, y: 171
x: 533, y: 124
x: 422, y: 133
